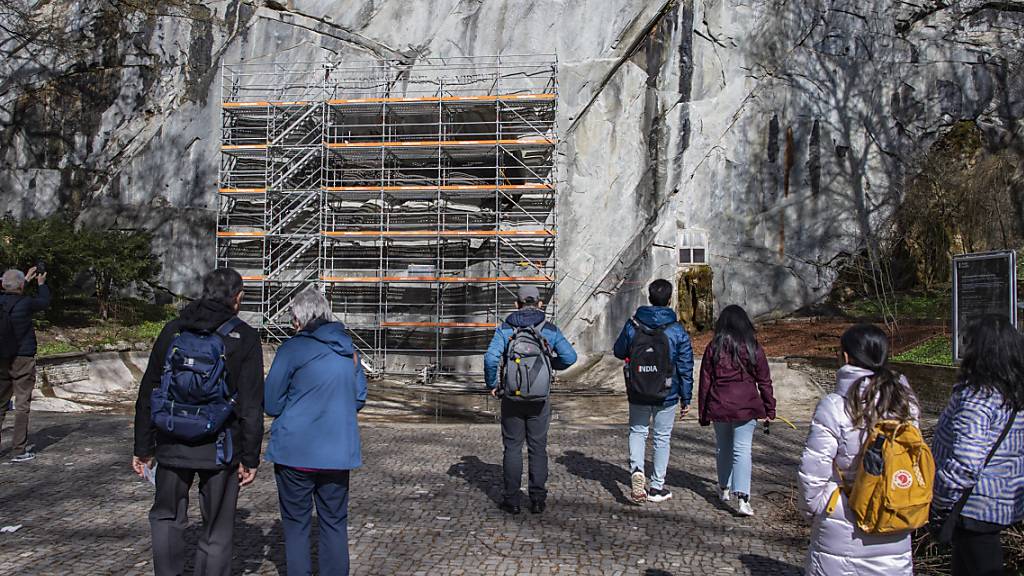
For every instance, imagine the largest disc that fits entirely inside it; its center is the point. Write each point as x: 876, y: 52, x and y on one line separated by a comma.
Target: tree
x: 116, y: 259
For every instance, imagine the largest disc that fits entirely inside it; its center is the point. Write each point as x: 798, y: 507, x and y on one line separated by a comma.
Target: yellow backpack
x: 893, y: 487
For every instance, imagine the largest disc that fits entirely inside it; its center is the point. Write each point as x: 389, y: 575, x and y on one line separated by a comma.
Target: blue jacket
x: 315, y: 387
x: 22, y: 309
x: 679, y: 345
x: 565, y: 355
x: 965, y: 433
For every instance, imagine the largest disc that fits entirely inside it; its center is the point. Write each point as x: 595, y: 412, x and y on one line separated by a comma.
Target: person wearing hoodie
x: 979, y: 480
x: 525, y: 421
x: 657, y: 316
x: 867, y: 391
x: 735, y: 392
x: 315, y: 388
x: 179, y: 461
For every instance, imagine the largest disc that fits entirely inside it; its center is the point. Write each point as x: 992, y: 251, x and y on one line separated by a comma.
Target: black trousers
x: 218, y: 496
x: 977, y: 553
x: 525, y: 421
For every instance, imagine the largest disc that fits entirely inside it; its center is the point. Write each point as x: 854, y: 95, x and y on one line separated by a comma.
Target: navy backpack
x: 192, y: 403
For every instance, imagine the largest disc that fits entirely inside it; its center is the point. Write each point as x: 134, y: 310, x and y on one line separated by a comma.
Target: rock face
x: 782, y: 129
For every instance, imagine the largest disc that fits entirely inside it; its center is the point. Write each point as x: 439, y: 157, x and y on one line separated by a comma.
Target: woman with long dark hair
x: 735, y: 392
x: 979, y: 447
x: 867, y: 391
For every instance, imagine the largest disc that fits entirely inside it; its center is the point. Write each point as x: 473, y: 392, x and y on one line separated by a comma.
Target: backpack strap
x: 229, y: 326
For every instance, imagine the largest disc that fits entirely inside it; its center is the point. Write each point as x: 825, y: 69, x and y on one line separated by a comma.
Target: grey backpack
x: 526, y: 373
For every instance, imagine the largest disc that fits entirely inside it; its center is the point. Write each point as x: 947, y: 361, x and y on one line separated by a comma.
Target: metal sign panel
x: 982, y: 284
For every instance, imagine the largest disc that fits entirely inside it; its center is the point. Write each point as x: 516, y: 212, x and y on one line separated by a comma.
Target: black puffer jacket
x: 245, y: 376
x: 22, y: 309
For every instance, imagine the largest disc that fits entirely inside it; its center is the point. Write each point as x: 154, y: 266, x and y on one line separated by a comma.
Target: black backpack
x: 8, y: 336
x: 526, y: 373
x: 648, y: 367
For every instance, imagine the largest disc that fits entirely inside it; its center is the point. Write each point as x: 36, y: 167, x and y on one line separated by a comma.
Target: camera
x: 40, y: 267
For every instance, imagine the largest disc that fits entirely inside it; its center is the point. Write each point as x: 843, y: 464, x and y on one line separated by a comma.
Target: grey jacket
x: 838, y: 547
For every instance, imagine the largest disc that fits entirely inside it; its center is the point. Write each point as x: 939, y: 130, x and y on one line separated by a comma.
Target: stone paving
x: 425, y: 503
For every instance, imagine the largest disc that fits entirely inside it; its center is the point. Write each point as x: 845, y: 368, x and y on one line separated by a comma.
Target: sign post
x: 984, y: 283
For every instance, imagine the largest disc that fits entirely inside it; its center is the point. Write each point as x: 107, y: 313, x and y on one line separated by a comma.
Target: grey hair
x: 309, y: 306
x: 14, y: 280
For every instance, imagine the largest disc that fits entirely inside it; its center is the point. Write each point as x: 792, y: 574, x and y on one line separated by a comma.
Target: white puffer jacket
x: 838, y: 547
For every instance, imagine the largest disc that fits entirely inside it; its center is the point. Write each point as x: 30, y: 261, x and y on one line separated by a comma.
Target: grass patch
x: 938, y: 350
x: 909, y: 306
x: 55, y: 348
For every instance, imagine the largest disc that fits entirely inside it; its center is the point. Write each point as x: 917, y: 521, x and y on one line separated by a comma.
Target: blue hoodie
x: 565, y: 355
x: 679, y: 346
x: 315, y: 387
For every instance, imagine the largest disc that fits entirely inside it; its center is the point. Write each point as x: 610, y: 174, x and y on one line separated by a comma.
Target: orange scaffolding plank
x: 253, y: 278
x: 454, y: 187
x: 229, y: 234
x: 243, y: 190
x: 442, y: 233
x: 439, y: 325
x: 437, y: 279
x: 439, y: 143
x: 263, y: 103
x: 494, y: 98
x: 244, y: 147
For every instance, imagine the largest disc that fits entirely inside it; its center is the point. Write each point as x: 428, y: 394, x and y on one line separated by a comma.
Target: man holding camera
x: 18, y: 351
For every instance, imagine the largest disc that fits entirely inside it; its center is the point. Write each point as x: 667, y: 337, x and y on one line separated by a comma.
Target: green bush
x: 938, y: 350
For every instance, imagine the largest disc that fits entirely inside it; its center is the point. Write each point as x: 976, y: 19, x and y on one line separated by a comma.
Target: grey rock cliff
x: 783, y: 129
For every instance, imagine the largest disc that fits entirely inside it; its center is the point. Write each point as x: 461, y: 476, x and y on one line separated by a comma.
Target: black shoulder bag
x: 945, y: 534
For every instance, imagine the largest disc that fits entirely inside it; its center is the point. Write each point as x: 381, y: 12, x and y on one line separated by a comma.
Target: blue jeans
x: 732, y: 454
x: 640, y: 416
x: 296, y: 493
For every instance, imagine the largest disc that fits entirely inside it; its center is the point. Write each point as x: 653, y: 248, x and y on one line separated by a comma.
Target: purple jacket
x: 731, y: 393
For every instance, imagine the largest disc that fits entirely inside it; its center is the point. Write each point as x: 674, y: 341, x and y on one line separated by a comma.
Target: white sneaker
x: 723, y: 494
x: 638, y: 487
x: 658, y: 495
x: 745, y: 509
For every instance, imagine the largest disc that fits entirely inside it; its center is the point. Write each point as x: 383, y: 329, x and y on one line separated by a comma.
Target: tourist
x: 735, y: 392
x: 224, y: 462
x: 525, y: 419
x: 659, y: 375
x: 867, y: 391
x: 979, y: 479
x: 18, y: 352
x: 314, y: 390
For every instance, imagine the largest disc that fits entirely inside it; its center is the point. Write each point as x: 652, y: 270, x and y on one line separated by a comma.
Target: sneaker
x: 723, y: 494
x: 745, y: 509
x: 639, y: 487
x: 24, y: 457
x: 659, y: 495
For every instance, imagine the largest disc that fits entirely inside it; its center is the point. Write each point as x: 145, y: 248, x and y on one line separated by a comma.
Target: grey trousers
x: 525, y: 421
x: 218, y: 496
x: 17, y: 379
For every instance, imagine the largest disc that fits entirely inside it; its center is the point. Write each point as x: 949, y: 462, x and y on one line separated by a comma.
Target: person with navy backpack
x: 519, y: 368
x: 200, y: 414
x: 658, y: 367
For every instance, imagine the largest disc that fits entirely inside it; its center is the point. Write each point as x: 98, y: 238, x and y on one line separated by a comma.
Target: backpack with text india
x: 192, y: 403
x: 648, y: 368
x: 526, y: 373
x: 893, y: 487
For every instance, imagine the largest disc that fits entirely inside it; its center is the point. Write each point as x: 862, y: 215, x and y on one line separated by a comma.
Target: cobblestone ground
x: 425, y: 503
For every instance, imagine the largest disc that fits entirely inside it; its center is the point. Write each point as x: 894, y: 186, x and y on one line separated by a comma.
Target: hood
x: 332, y: 334
x: 205, y: 315
x: 849, y: 375
x: 654, y: 316
x: 525, y: 317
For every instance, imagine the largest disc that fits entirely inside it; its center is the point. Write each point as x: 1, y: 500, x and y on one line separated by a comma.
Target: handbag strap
x: 1002, y: 436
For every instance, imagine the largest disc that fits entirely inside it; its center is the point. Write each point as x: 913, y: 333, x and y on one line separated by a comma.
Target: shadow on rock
x: 756, y: 564
x: 255, y: 543
x: 706, y: 489
x: 485, y: 477
x: 611, y: 477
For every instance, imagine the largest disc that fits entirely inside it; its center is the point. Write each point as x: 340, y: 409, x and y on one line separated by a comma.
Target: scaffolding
x: 417, y: 197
